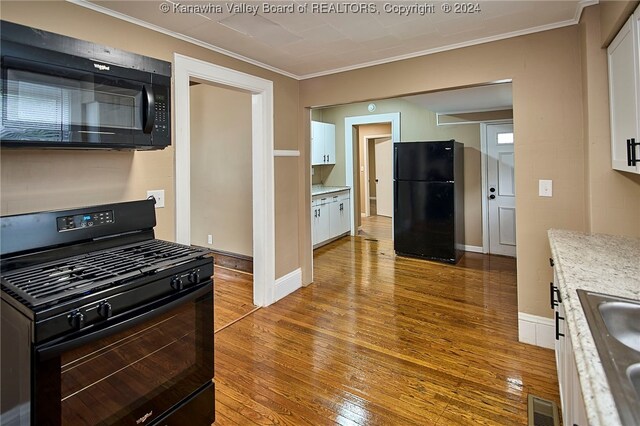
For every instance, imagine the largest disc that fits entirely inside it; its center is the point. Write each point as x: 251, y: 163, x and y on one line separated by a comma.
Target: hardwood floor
x: 376, y: 228
x: 384, y: 340
x: 232, y: 295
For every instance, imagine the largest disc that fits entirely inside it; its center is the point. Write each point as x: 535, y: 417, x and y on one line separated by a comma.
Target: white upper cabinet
x: 323, y: 143
x: 624, y: 96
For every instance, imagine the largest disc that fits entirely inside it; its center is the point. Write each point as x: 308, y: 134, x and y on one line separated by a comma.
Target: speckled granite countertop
x: 603, y: 264
x: 321, y: 189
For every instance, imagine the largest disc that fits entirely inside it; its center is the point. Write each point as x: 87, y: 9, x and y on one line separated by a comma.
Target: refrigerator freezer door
x: 424, y: 220
x: 424, y: 161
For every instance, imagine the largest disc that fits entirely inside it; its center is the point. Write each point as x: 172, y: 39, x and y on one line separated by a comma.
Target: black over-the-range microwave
x: 60, y: 92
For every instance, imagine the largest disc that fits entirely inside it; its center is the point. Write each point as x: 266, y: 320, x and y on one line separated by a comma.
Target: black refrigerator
x: 428, y: 202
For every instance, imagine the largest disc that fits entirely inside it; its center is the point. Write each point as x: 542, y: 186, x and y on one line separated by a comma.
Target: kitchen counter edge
x: 327, y: 190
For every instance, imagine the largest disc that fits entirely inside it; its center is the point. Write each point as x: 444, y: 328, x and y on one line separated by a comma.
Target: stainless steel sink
x: 622, y: 320
x: 615, y: 326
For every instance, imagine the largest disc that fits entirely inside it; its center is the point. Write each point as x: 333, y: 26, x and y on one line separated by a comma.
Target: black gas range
x: 101, y: 322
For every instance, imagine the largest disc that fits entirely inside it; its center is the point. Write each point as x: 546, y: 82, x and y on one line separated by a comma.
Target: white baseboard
x: 535, y: 330
x: 475, y: 249
x: 287, y: 284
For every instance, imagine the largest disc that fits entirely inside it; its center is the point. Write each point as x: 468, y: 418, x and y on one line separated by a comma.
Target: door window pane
x: 505, y: 138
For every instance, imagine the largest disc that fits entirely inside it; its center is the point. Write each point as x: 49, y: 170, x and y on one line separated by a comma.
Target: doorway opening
x: 221, y: 210
x: 375, y: 175
x: 461, y: 114
x: 187, y: 70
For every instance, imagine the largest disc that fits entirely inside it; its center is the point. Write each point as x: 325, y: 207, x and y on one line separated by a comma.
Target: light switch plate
x: 158, y: 194
x: 545, y: 188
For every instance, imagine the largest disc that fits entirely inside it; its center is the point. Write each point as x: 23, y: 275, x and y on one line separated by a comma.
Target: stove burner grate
x: 61, y: 279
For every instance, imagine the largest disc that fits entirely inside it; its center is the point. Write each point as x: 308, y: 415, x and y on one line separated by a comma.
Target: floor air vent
x: 542, y: 412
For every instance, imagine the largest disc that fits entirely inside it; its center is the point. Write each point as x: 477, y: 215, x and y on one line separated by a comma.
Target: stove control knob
x: 76, y: 319
x: 176, y: 283
x: 104, y: 310
x: 194, y: 277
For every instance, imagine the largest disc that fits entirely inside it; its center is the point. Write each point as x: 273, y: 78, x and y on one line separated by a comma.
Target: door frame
x: 262, y: 162
x: 484, y: 174
x: 394, y: 119
x: 367, y: 207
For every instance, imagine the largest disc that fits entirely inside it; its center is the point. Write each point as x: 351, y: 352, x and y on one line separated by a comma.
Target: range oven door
x: 73, y: 102
x: 134, y: 372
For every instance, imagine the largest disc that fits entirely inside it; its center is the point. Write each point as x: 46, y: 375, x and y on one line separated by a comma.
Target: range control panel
x: 84, y: 220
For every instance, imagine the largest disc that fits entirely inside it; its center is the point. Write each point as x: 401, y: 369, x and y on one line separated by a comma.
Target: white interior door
x: 501, y: 189
x: 384, y: 177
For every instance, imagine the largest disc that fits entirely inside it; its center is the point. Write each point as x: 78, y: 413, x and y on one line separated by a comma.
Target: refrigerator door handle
x: 395, y: 162
x: 395, y: 196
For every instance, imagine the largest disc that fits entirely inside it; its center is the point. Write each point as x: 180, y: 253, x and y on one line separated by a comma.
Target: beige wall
x: 40, y: 180
x: 613, y: 15
x: 613, y: 202
x: 221, y: 199
x: 417, y: 123
x: 547, y: 95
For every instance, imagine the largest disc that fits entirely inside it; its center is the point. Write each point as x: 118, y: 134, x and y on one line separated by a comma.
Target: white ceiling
x: 471, y: 99
x: 307, y: 44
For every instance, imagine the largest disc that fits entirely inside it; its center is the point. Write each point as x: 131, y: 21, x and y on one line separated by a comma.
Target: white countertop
x: 603, y: 264
x: 321, y: 189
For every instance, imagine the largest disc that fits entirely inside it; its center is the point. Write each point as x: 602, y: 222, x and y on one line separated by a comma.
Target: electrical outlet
x: 209, y: 239
x: 158, y: 194
x: 545, y: 188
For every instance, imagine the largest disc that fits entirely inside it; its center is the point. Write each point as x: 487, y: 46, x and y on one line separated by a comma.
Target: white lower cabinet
x: 320, y: 221
x: 571, y: 400
x: 339, y: 208
x: 329, y: 216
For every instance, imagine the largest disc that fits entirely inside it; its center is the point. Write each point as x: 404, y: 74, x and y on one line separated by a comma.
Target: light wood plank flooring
x: 383, y: 340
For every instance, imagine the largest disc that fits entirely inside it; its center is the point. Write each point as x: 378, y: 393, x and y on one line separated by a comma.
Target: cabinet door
x: 317, y: 143
x: 324, y: 231
x: 330, y: 143
x: 623, y: 95
x: 335, y: 219
x: 345, y: 225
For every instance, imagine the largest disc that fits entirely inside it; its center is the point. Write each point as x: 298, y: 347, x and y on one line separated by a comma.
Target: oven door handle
x: 56, y: 349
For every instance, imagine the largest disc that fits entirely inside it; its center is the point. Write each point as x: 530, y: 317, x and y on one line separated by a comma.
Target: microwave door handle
x: 56, y: 349
x: 148, y: 109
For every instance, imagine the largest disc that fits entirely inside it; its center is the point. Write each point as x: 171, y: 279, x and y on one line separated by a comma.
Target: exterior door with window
x: 501, y: 191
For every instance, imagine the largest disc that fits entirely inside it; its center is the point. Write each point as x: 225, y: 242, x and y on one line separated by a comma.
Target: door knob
x: 492, y: 197
x: 376, y: 180
x: 492, y: 189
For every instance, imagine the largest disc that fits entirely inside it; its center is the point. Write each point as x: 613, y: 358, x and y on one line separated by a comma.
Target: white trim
x: 367, y: 199
x: 484, y: 194
x: 262, y: 163
x: 286, y: 153
x: 179, y: 36
x: 473, y: 249
x: 287, y: 284
x: 136, y: 21
x: 349, y: 122
x: 536, y: 330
